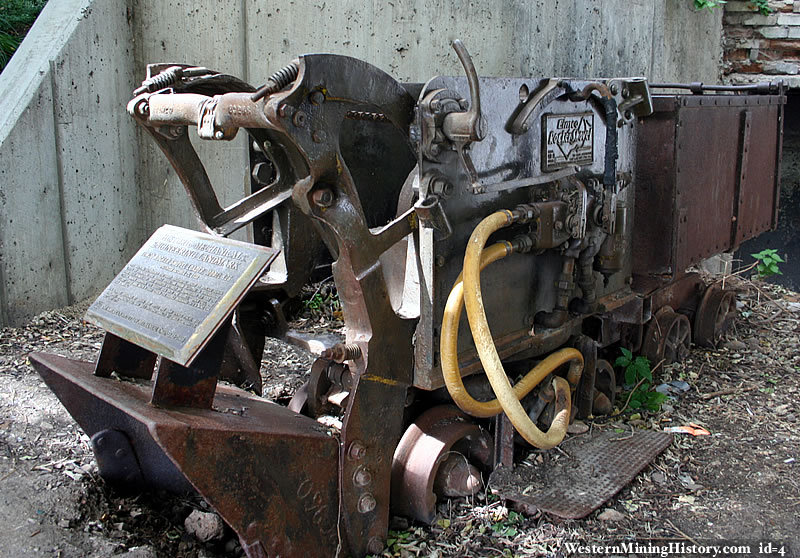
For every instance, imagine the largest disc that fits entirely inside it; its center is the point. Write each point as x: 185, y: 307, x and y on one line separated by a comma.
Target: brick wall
x: 762, y: 47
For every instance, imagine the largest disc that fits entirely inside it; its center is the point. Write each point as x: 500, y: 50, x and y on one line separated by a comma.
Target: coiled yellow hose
x: 508, y: 397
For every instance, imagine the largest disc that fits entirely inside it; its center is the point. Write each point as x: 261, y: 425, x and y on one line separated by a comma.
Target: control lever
x: 462, y: 128
x: 465, y: 127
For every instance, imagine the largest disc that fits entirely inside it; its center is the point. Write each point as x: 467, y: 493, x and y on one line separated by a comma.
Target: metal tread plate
x: 588, y: 472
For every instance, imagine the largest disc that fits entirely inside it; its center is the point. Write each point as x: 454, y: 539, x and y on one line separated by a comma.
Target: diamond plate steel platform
x: 592, y: 471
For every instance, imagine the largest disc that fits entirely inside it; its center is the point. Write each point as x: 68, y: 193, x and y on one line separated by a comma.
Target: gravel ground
x: 740, y: 482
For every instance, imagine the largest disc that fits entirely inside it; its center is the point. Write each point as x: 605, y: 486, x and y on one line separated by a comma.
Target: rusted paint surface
x: 251, y: 459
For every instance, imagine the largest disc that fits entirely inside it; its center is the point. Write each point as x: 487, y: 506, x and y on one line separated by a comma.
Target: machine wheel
x: 715, y: 314
x: 667, y: 337
x: 435, y: 455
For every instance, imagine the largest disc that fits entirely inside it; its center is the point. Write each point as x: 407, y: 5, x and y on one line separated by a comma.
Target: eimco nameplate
x: 177, y: 290
x: 567, y: 139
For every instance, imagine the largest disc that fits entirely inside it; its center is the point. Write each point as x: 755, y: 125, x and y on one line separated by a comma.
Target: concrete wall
x: 67, y: 156
x: 116, y: 186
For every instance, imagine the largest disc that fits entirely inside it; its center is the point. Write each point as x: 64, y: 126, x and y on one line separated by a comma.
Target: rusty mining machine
x: 585, y: 200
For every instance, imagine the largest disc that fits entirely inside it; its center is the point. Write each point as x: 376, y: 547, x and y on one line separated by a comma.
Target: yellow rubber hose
x: 484, y: 343
x: 448, y: 347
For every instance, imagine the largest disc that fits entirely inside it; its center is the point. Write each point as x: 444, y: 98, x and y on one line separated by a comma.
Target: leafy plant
x: 761, y: 6
x: 768, y: 261
x: 639, y: 375
x: 507, y: 527
x: 708, y: 4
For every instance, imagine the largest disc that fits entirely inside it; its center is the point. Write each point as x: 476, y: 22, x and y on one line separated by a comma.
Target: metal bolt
x: 464, y: 104
x: 299, y: 119
x: 319, y: 136
x: 341, y: 352
x: 357, y: 450
x: 628, y: 115
x: 362, y: 476
x: 614, y: 88
x: 142, y: 109
x: 285, y: 110
x: 558, y: 225
x: 441, y: 186
x: 440, y: 261
x: 100, y: 442
x: 375, y: 546
x: 219, y: 134
x: 262, y: 173
x: 120, y: 453
x: 322, y: 197
x: 317, y: 98
x: 367, y: 503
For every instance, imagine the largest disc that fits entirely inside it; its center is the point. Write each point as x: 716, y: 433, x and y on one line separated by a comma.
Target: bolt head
x: 285, y: 110
x: 317, y: 98
x: 362, y: 476
x: 219, y: 134
x: 357, y: 450
x: 322, y: 197
x: 375, y: 546
x: 319, y: 136
x: 299, y: 119
x: 262, y: 173
x: 366, y: 503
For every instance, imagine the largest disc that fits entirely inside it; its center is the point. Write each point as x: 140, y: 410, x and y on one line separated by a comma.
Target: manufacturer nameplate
x: 567, y: 139
x: 177, y: 290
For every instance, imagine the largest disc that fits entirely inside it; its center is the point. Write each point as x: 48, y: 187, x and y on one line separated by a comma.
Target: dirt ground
x: 740, y: 483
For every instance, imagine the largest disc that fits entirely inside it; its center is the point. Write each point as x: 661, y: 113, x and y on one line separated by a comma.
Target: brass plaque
x: 177, y: 290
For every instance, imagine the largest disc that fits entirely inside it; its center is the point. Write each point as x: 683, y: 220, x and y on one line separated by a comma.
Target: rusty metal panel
x: 653, y: 244
x: 758, y: 197
x: 705, y: 178
x: 707, y: 154
x: 271, y: 473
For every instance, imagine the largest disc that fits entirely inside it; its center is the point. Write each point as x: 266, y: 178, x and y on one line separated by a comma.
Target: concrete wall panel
x: 31, y: 245
x: 96, y: 148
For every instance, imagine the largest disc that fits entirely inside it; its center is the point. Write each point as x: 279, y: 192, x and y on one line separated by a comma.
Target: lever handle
x: 465, y: 127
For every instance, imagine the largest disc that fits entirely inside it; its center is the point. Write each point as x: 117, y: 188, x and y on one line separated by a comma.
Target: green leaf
x: 622, y: 362
x: 627, y: 353
x: 630, y: 375
x: 634, y: 404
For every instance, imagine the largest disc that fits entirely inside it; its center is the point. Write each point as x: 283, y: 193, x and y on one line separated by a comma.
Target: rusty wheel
x: 715, y: 313
x: 667, y: 337
x: 435, y: 455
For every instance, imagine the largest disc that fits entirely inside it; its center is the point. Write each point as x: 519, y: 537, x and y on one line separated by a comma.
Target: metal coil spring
x: 277, y: 81
x: 161, y: 81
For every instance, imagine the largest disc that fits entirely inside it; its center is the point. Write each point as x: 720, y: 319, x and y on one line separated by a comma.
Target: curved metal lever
x: 465, y: 127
